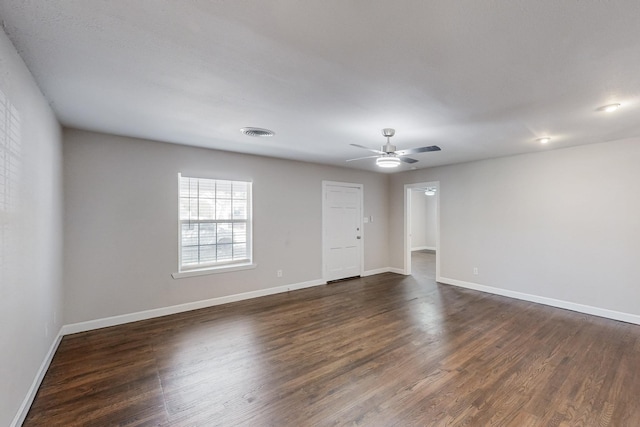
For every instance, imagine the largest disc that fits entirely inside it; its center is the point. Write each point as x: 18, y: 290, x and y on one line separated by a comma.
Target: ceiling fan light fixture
x: 388, y: 162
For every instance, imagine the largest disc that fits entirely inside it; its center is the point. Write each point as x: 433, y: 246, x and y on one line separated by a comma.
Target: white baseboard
x: 31, y: 394
x: 164, y: 311
x: 376, y: 271
x: 384, y: 270
x: 568, y: 305
x: 422, y: 248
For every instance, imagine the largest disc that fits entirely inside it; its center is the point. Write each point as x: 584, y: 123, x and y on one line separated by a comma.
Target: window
x: 215, y: 223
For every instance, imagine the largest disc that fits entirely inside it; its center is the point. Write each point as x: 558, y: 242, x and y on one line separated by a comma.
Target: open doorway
x: 422, y: 223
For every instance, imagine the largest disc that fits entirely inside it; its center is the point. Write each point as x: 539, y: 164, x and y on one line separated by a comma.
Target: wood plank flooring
x: 377, y: 351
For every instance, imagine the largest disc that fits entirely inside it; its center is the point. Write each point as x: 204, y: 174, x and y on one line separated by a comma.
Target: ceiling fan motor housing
x: 388, y: 148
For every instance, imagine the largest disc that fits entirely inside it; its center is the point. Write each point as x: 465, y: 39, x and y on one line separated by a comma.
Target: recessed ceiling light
x: 390, y: 161
x: 609, y: 108
x: 543, y: 140
x: 258, y: 132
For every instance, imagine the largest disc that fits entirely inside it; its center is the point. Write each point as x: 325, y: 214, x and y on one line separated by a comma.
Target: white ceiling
x: 479, y: 78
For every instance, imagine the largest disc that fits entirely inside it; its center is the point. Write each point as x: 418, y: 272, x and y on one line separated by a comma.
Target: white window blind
x: 215, y: 223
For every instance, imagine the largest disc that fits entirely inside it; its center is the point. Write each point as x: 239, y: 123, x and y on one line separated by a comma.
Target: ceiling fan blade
x: 408, y: 160
x: 367, y: 148
x: 417, y: 150
x: 361, y: 158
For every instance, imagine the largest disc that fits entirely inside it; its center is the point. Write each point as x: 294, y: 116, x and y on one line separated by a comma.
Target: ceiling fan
x: 388, y: 156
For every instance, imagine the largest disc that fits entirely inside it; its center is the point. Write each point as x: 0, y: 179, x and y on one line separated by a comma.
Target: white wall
x: 30, y: 239
x: 121, y: 234
x: 423, y: 221
x: 560, y: 224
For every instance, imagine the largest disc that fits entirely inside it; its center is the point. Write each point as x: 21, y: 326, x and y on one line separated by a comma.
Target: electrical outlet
x: 279, y: 273
x: 475, y: 271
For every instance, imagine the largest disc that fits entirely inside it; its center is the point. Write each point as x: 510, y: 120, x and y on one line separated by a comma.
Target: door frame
x: 408, y: 191
x: 360, y: 223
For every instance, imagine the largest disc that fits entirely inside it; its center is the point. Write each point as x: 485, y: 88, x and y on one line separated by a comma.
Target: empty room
x: 308, y: 213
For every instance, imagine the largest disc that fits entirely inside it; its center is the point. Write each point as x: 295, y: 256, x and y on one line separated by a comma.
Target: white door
x: 342, y: 230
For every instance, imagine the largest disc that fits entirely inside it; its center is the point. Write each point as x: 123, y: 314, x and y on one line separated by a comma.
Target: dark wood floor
x: 382, y: 350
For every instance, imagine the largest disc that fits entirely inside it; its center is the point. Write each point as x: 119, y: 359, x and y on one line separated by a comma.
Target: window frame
x: 216, y: 266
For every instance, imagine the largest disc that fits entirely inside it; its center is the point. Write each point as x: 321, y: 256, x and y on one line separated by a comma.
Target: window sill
x: 214, y: 270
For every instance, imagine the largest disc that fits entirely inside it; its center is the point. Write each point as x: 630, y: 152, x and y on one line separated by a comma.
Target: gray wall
x: 30, y: 239
x: 121, y: 223
x: 423, y: 220
x: 560, y: 224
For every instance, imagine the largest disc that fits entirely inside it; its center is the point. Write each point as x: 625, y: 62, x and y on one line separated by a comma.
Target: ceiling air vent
x: 258, y: 132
